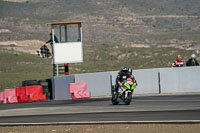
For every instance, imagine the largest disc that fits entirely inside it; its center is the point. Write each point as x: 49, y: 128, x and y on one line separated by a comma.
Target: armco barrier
x: 9, y: 96
x: 97, y: 83
x: 34, y: 93
x: 79, y: 90
x: 60, y: 86
x: 21, y: 94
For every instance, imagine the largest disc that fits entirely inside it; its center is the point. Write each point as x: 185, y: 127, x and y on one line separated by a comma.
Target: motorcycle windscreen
x: 71, y: 52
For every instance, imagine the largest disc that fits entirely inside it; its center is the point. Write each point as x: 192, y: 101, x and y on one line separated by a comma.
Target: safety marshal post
x: 66, y: 44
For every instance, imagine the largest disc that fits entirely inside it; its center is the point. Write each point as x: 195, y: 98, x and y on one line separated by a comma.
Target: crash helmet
x: 125, y: 70
x: 193, y: 56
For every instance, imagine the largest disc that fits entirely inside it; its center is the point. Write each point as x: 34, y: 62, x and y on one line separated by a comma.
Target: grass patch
x: 17, y: 67
x: 111, y: 57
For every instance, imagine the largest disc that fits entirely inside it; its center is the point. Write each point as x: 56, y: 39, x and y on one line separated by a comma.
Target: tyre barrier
x: 45, y: 86
x: 44, y: 83
x: 23, y: 94
x: 79, y: 90
x: 30, y: 82
x: 50, y: 94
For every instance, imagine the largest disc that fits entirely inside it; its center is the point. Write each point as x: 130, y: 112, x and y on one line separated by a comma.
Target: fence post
x: 159, y: 86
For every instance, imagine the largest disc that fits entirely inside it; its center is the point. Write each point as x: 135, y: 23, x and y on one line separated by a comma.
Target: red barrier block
x: 34, y: 93
x: 10, y: 96
x: 5, y: 101
x: 21, y: 94
x: 79, y: 90
x: 1, y: 97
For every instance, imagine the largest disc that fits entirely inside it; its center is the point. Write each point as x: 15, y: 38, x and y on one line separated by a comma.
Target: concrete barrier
x: 97, y: 83
x: 147, y: 80
x: 184, y: 79
x: 60, y: 87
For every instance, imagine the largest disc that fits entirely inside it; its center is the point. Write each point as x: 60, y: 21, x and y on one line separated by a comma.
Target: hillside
x: 151, y: 22
x: 138, y: 33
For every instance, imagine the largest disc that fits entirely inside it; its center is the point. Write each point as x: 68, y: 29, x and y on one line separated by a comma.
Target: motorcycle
x: 124, y: 92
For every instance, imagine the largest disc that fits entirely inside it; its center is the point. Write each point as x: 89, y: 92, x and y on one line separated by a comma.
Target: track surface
x: 142, y: 108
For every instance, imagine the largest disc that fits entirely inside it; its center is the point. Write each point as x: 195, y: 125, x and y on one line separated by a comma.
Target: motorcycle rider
x: 124, y: 74
x: 51, y: 39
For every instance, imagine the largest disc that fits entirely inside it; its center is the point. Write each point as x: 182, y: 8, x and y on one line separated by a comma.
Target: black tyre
x: 114, y: 101
x: 50, y: 87
x: 45, y: 91
x: 48, y: 95
x: 114, y: 97
x: 45, y: 88
x: 127, y: 101
x: 43, y: 83
x: 30, y: 82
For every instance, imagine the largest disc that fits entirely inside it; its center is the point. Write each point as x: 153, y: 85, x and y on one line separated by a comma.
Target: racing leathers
x: 178, y: 63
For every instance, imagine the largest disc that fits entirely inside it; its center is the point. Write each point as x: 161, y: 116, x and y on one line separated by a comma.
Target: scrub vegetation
x: 151, y: 22
x: 136, y: 33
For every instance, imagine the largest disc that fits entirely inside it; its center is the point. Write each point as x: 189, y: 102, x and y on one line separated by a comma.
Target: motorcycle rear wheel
x: 114, y: 101
x: 114, y: 96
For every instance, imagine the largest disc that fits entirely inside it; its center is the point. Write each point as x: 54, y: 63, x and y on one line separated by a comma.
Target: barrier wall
x: 97, y: 83
x: 184, y: 79
x: 147, y: 80
x: 60, y: 86
x: 172, y: 80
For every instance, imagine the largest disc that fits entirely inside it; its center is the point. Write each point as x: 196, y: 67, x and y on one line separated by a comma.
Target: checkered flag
x: 43, y: 52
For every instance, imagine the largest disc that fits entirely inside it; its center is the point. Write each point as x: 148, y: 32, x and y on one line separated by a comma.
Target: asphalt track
x: 163, y: 108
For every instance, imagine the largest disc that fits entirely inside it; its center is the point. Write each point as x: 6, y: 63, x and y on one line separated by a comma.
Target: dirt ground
x: 105, y: 128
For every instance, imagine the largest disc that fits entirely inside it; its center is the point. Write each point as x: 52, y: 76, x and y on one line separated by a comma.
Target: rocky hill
x: 130, y: 22
x: 113, y: 33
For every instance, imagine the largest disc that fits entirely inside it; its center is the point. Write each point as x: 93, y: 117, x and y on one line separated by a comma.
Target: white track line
x: 105, y: 122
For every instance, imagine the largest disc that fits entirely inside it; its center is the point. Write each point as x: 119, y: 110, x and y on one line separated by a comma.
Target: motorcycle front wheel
x: 127, y: 101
